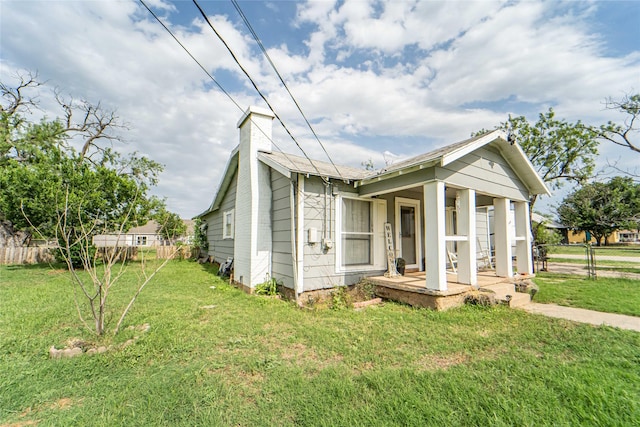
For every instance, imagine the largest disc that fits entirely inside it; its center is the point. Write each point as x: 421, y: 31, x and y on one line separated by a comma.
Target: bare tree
x: 90, y: 122
x: 94, y: 272
x: 13, y: 96
x: 623, y: 134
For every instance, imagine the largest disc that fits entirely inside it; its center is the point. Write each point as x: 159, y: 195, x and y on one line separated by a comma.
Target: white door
x: 408, y: 239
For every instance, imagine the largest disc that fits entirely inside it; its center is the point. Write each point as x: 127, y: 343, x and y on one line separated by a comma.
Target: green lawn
x: 254, y: 361
x: 601, y: 250
x: 605, y: 294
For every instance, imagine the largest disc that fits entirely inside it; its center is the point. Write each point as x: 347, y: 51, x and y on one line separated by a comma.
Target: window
x: 141, y: 241
x: 357, y: 232
x: 227, y: 225
x: 360, y: 237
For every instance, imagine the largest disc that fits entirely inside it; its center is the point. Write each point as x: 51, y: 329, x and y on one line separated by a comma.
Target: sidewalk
x: 584, y: 316
x: 598, y: 257
x: 581, y: 270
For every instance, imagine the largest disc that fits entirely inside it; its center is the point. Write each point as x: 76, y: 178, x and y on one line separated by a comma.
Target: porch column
x: 523, y: 238
x: 502, y: 237
x: 434, y: 236
x: 467, y: 262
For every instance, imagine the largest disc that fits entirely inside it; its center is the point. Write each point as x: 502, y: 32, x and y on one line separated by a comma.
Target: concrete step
x: 519, y: 299
x: 501, y: 289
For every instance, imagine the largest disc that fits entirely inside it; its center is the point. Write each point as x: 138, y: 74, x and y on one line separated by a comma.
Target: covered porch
x: 449, y: 234
x: 438, y: 195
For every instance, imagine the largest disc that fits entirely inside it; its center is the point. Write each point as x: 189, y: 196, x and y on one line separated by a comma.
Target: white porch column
x: 523, y: 238
x: 502, y: 237
x: 467, y: 261
x: 434, y: 236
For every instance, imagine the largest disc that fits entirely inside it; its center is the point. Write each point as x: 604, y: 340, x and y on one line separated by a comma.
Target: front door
x: 408, y: 239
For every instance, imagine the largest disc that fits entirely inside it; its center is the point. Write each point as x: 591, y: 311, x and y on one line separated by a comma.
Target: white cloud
x: 406, y: 72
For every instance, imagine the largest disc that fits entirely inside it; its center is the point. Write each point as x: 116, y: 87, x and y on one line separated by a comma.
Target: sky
x: 379, y: 80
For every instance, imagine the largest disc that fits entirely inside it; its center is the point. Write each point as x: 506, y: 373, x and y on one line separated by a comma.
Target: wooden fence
x: 36, y: 255
x: 173, y: 252
x: 26, y: 255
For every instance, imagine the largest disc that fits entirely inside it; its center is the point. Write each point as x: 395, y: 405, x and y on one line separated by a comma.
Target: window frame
x: 232, y: 225
x: 375, y: 262
x: 141, y: 240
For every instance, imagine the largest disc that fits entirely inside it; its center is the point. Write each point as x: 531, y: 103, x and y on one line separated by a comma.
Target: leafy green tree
x: 170, y: 225
x: 559, y: 151
x: 601, y: 208
x: 73, y: 194
x: 42, y: 173
x: 200, y: 239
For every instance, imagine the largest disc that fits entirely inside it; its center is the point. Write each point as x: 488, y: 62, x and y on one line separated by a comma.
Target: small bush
x: 269, y: 287
x: 340, y: 298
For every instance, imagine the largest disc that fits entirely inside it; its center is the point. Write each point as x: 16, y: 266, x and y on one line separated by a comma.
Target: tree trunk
x: 10, y: 237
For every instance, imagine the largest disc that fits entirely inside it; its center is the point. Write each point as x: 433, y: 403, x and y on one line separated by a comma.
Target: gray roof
x: 302, y: 165
x: 433, y: 155
x: 289, y: 163
x: 150, y: 227
x: 549, y: 223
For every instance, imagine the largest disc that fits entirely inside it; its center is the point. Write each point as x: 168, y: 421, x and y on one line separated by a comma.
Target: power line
x: 255, y: 86
x: 212, y: 78
x: 192, y: 57
x: 266, y: 54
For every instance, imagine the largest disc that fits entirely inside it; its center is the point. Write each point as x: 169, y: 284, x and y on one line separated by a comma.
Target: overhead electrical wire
x: 266, y: 54
x: 210, y: 76
x: 255, y: 86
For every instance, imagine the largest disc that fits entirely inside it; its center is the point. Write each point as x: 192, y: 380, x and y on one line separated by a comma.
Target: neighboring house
x: 313, y: 225
x: 617, y: 236
x: 627, y: 236
x: 141, y: 236
x: 550, y: 224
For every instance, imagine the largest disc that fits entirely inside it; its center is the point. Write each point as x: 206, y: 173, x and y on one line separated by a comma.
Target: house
x: 142, y: 236
x: 313, y: 226
x: 627, y: 237
x: 552, y: 225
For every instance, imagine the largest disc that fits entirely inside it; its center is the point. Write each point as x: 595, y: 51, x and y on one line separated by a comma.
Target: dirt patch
x: 21, y: 423
x: 435, y: 362
x: 63, y: 403
x: 60, y: 404
x: 76, y: 347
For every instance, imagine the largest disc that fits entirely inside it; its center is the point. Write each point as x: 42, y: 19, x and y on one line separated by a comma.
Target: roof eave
x: 395, y: 173
x: 472, y: 146
x: 232, y: 165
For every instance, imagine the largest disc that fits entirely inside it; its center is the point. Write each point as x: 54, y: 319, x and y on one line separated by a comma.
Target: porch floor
x: 415, y: 282
x: 411, y: 289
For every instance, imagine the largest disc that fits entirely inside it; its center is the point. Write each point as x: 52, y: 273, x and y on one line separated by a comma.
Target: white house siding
x: 486, y: 171
x: 221, y: 249
x: 282, y: 259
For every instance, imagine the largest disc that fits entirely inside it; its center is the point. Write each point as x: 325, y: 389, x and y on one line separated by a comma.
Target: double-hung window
x: 360, y: 242
x: 357, y: 232
x: 227, y: 224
